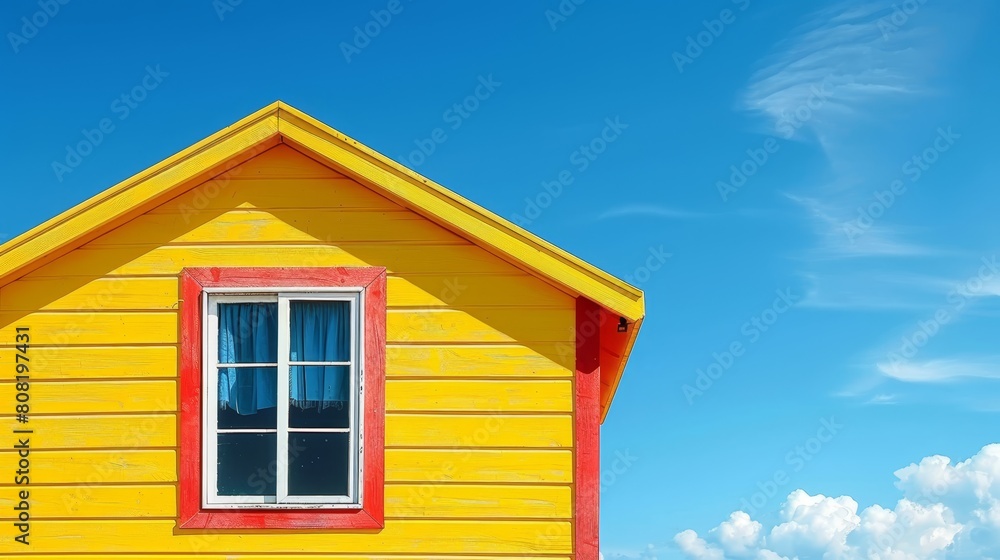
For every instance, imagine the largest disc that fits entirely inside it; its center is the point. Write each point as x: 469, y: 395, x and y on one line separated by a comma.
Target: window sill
x: 281, y: 519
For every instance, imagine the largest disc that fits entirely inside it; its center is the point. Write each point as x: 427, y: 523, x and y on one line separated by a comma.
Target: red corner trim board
x: 192, y: 283
x: 589, y: 317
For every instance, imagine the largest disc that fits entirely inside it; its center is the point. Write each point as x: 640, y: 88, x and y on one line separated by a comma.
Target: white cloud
x: 940, y: 371
x: 882, y: 398
x: 948, y: 511
x: 911, y: 531
x: 814, y: 525
x: 695, y: 547
x: 739, y: 534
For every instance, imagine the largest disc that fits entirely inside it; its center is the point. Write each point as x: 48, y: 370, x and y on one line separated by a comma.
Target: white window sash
x: 283, y: 297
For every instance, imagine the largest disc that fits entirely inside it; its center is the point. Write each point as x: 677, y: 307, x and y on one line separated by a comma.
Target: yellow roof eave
x: 461, y: 215
x: 280, y: 123
x: 92, y: 217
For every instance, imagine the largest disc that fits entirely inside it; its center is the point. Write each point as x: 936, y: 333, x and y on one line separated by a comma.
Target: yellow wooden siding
x: 479, y: 396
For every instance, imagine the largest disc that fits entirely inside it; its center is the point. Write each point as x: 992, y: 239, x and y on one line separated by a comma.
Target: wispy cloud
x: 841, y: 57
x: 831, y: 222
x: 830, y: 81
x: 842, y: 52
x: 942, y: 371
x: 882, y: 399
x: 872, y: 288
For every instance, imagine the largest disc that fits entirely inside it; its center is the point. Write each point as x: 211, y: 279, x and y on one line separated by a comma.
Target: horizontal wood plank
x: 480, y: 325
x: 95, y: 502
x: 279, y: 226
x: 98, y: 467
x: 279, y: 162
x: 78, y: 294
x: 98, y: 362
x: 97, y: 397
x: 119, y: 431
x: 96, y: 262
x: 457, y: 290
x: 550, y: 359
x: 398, y: 536
x: 469, y: 396
x: 95, y: 328
x: 486, y: 430
x: 479, y: 465
x: 226, y: 193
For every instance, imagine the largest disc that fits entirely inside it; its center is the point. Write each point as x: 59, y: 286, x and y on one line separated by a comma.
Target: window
x: 282, y: 383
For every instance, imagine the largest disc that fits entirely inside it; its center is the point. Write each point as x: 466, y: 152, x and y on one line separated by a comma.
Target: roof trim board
x: 279, y: 123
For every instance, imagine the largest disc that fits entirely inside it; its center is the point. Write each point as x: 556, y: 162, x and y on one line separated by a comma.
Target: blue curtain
x: 320, y: 332
x: 248, y: 334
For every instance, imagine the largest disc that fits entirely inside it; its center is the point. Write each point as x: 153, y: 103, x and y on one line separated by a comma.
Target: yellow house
x: 278, y: 343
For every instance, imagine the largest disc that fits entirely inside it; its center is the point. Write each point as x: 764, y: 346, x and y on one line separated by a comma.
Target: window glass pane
x: 248, y: 398
x: 247, y: 463
x: 321, y: 331
x: 318, y: 464
x: 248, y: 333
x: 319, y: 396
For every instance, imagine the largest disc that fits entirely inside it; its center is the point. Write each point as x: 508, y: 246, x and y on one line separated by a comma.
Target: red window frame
x: 193, y: 282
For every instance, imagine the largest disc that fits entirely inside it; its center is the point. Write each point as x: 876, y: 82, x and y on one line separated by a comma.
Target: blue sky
x: 819, y: 173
